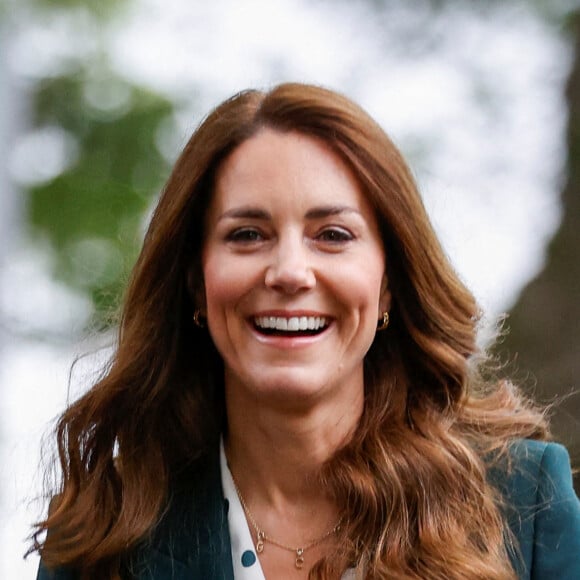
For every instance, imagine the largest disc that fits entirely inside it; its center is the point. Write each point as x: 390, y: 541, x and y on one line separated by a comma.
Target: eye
x: 335, y: 235
x: 245, y: 236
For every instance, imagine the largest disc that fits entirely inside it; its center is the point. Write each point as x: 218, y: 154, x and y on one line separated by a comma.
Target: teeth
x: 293, y: 324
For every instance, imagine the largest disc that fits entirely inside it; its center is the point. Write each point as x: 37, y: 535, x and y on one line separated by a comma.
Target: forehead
x: 285, y: 167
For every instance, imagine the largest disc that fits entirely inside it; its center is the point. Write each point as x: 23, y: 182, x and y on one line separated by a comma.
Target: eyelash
x: 335, y: 235
x: 244, y: 235
x: 329, y: 235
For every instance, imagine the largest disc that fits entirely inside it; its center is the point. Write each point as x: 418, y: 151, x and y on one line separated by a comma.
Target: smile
x: 295, y: 325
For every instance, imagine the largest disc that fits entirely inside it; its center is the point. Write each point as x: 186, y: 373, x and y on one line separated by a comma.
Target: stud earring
x: 198, y: 320
x: 384, y: 322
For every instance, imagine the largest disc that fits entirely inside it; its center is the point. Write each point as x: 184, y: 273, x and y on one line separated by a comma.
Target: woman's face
x: 294, y: 270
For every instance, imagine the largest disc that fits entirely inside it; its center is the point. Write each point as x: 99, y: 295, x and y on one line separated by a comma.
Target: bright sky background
x: 475, y: 103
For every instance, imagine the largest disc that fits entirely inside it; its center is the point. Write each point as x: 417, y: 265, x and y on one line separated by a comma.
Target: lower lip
x: 278, y: 341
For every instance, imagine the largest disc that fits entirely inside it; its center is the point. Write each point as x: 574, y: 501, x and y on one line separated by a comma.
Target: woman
x: 296, y: 390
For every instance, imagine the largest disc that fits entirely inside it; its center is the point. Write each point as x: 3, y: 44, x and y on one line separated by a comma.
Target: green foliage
x: 100, y: 9
x: 92, y: 213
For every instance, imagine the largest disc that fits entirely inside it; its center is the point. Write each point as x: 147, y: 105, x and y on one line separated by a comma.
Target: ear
x: 385, y: 296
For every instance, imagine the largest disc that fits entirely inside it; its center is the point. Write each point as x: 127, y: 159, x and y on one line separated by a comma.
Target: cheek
x: 219, y: 286
x: 226, y: 282
x: 361, y: 286
x: 215, y: 279
x: 218, y: 298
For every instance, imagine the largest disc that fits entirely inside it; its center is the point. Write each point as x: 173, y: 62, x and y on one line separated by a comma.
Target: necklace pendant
x: 260, y: 543
x: 299, y: 558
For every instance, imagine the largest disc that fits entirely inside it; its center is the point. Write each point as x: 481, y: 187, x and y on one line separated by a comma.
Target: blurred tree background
x: 94, y: 147
x: 99, y: 147
x: 92, y: 213
x: 544, y: 325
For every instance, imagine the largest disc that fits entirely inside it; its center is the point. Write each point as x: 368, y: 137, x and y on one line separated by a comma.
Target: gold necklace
x: 263, y: 537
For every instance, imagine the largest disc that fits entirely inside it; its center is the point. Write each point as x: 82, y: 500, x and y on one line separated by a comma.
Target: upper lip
x: 290, y: 313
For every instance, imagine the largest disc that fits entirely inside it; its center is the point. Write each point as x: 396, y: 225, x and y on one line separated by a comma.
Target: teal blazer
x: 192, y: 540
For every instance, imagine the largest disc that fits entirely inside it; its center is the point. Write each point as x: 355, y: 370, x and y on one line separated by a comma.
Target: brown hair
x: 411, y: 482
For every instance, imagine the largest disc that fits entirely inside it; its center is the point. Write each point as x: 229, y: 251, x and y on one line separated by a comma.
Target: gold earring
x: 384, y: 322
x: 197, y: 319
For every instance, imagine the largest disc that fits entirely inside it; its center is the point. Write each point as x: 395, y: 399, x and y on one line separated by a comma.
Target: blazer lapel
x: 192, y: 540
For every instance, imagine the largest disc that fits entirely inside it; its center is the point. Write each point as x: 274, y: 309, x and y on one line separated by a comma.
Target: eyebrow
x: 245, y: 212
x: 249, y: 212
x: 329, y: 210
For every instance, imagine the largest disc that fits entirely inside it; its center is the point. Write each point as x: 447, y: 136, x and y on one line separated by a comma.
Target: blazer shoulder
x: 536, y: 475
x: 532, y: 451
x: 539, y: 471
x: 45, y: 573
x: 541, y: 509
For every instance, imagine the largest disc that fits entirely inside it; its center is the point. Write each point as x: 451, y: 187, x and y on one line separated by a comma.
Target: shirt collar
x: 244, y: 557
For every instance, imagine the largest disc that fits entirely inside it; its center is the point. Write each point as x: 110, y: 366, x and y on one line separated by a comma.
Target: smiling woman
x: 292, y: 241
x: 297, y: 391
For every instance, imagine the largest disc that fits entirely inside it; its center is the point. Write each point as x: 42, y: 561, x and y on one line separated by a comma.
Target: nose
x: 290, y: 270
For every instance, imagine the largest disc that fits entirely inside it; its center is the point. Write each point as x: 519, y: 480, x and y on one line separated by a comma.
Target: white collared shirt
x: 245, y: 560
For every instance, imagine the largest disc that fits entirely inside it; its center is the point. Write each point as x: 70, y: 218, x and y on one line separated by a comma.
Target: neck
x: 281, y: 451
x: 275, y: 453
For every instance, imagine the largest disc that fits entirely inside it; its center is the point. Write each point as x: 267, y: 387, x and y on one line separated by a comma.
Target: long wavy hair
x: 411, y: 483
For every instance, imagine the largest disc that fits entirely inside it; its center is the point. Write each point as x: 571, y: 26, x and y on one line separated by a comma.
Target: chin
x: 293, y: 388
